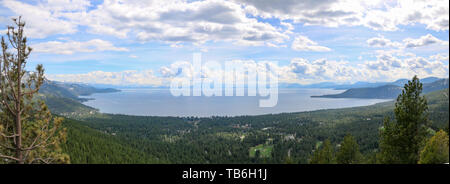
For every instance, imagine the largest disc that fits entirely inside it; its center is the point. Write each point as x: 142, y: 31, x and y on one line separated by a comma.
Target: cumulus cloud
x: 171, y: 21
x: 433, y: 14
x: 324, y: 70
x: 183, y: 69
x: 423, y: 41
x: 180, y: 68
x: 377, y: 15
x: 46, y: 18
x: 426, y: 40
x: 380, y: 41
x: 310, y: 12
x: 70, y: 47
x: 299, y: 70
x: 175, y: 21
x: 386, y: 67
x: 392, y: 67
x: 384, y: 62
x: 302, y: 43
x: 181, y: 21
x: 440, y: 57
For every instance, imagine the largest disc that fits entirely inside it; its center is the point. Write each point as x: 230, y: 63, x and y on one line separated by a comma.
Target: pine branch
x: 8, y: 107
x: 8, y: 136
x: 7, y: 147
x: 9, y: 157
x: 32, y: 91
x: 44, y: 160
x: 41, y: 143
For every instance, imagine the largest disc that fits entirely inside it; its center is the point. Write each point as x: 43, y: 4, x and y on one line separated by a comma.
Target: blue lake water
x: 160, y: 102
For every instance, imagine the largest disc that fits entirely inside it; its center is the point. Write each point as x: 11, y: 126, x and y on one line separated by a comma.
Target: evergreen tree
x: 402, y: 138
x: 325, y: 155
x: 436, y: 150
x: 28, y: 132
x: 349, y: 151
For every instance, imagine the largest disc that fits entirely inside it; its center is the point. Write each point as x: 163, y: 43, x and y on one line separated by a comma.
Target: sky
x: 148, y: 43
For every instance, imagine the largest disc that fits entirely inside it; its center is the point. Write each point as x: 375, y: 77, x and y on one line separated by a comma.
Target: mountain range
x: 71, y: 90
x: 330, y: 85
x: 390, y: 90
x: 359, y: 84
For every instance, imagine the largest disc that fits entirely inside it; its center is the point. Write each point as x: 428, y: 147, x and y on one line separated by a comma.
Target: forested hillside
x: 87, y: 145
x: 71, y: 90
x: 64, y: 98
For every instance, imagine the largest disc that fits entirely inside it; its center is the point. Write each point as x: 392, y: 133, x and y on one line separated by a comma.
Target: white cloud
x: 320, y: 70
x: 171, y: 21
x: 71, y: 47
x: 423, y: 41
x: 180, y: 68
x: 311, y: 12
x: 177, y: 21
x: 384, y: 62
x: 302, y: 43
x: 181, y: 21
x: 380, y: 21
x: 389, y: 67
x: 434, y: 14
x: 377, y: 15
x: 185, y: 69
x: 426, y: 40
x: 380, y: 41
x: 45, y: 19
x: 66, y: 5
x: 440, y: 57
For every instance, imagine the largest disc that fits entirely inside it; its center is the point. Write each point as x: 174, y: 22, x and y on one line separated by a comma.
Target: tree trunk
x: 19, y: 138
x: 18, y: 104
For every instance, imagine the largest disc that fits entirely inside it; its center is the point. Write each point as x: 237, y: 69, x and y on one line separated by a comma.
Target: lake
x: 160, y: 102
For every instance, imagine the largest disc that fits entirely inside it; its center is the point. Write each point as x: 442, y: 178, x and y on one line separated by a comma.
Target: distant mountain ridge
x: 389, y: 91
x: 359, y: 84
x: 71, y: 90
x: 329, y: 85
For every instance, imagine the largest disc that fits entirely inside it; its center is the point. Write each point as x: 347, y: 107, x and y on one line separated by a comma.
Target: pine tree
x: 349, y: 151
x: 436, y: 150
x: 325, y: 155
x: 402, y: 138
x: 28, y: 131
